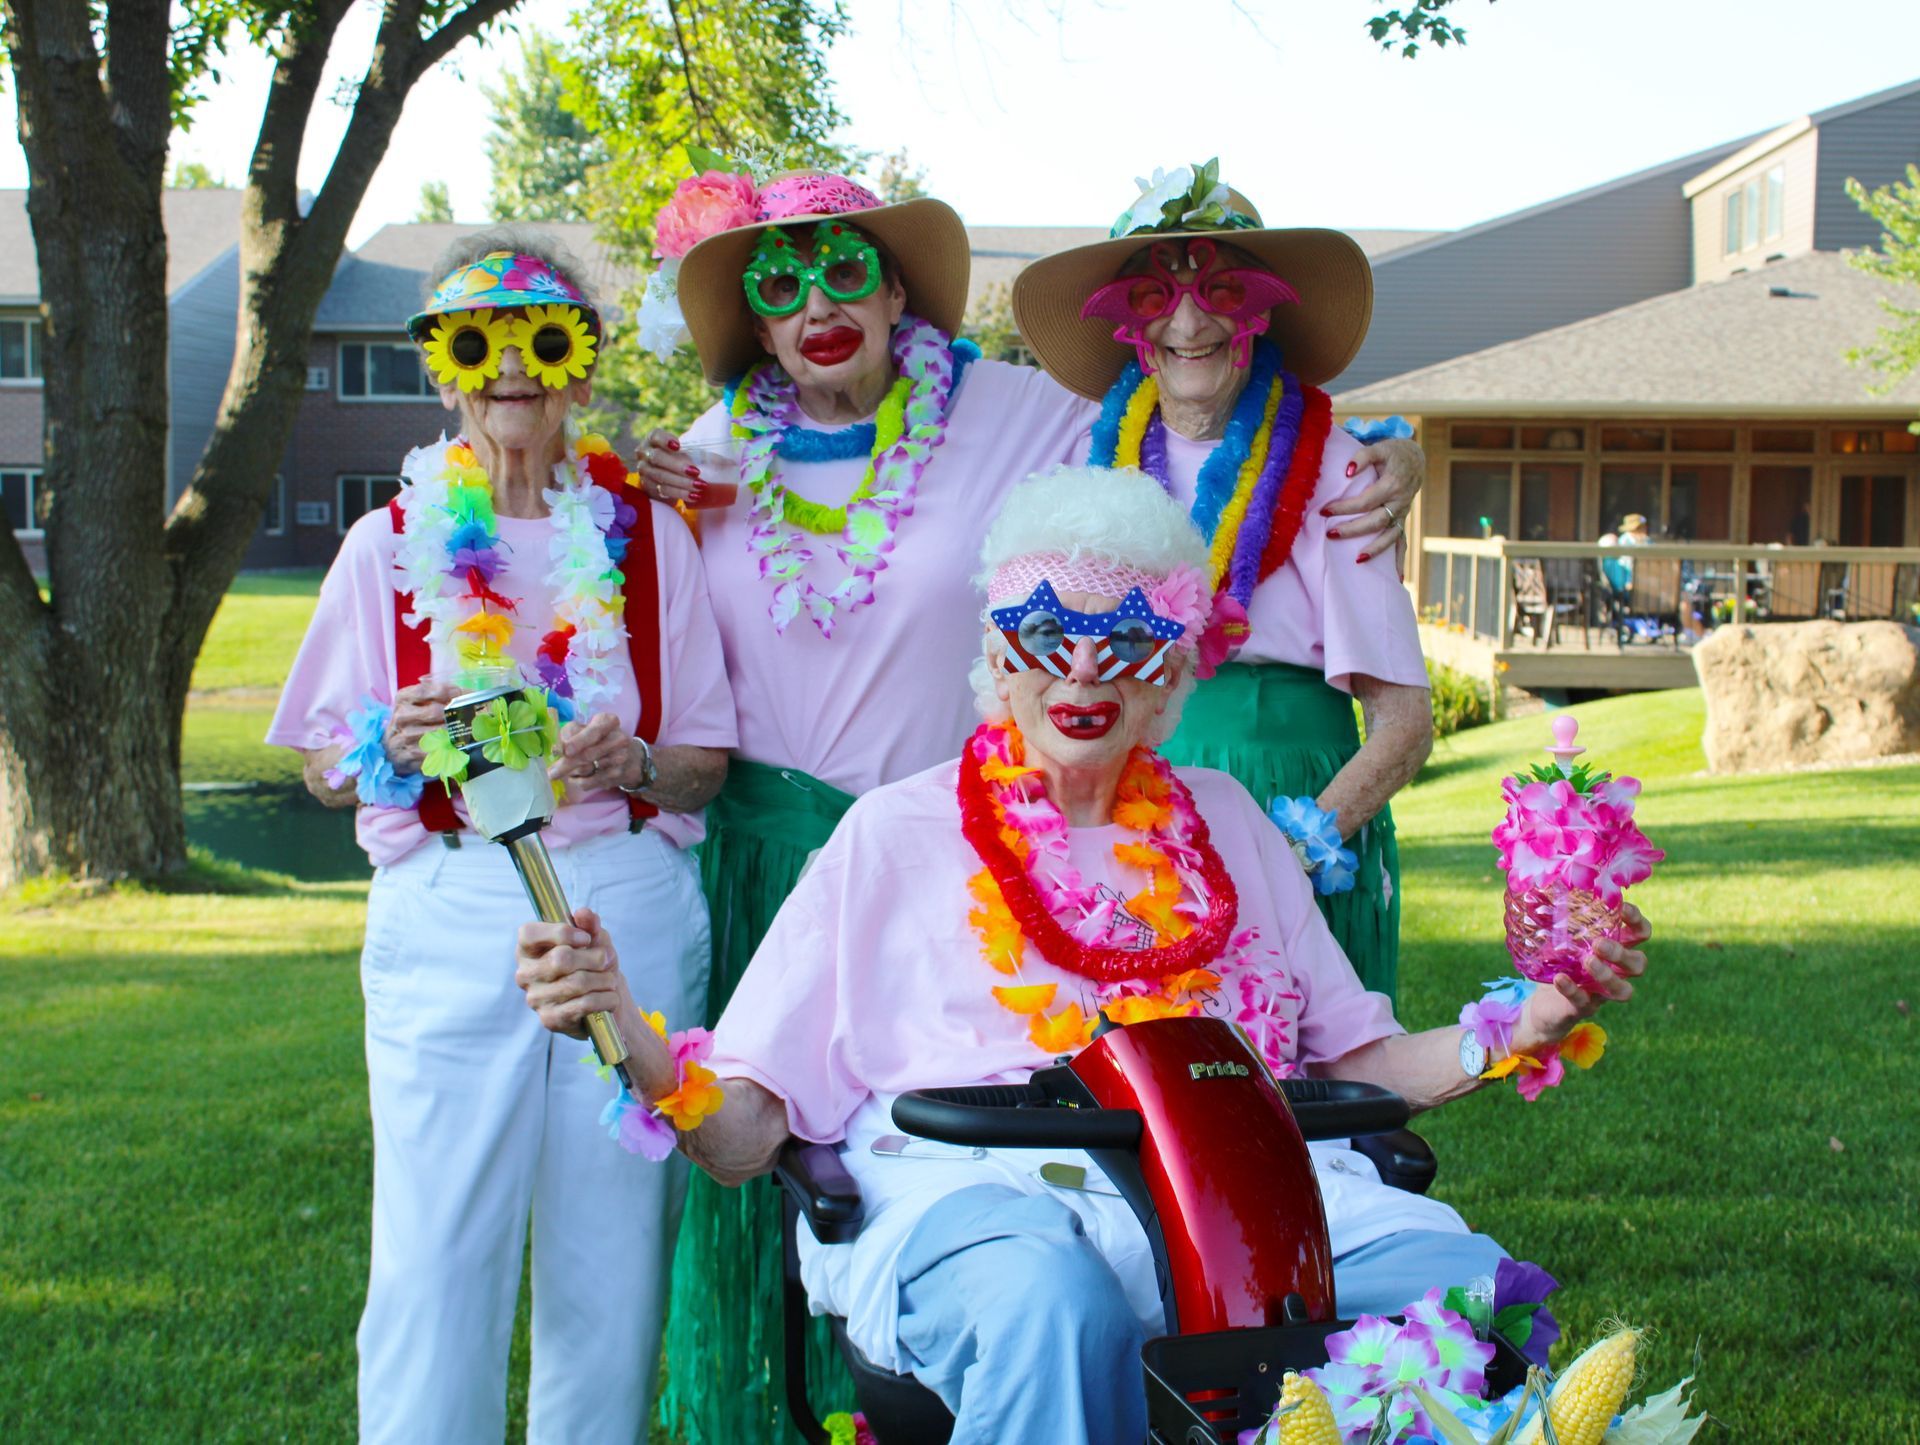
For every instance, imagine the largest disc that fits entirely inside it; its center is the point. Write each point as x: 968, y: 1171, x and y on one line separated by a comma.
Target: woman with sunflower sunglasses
x: 520, y: 551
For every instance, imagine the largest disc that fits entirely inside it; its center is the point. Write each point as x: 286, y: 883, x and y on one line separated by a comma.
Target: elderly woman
x: 1205, y: 335
x: 873, y: 446
x: 516, y: 552
x: 975, y: 921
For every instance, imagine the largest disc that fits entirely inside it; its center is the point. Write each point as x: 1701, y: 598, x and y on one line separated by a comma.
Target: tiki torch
x: 507, y: 735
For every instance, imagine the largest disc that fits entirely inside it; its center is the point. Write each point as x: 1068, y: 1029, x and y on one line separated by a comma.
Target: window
x: 273, y: 521
x: 1700, y: 504
x: 1782, y: 505
x: 1633, y: 439
x: 1782, y: 439
x: 1731, y: 240
x: 1776, y: 184
x: 1550, y: 502
x: 382, y: 371
x: 20, y: 349
x: 1703, y: 438
x: 1552, y: 438
x: 1878, y: 439
x: 1625, y: 490
x: 1752, y: 191
x: 360, y: 495
x: 1480, y: 503
x: 1873, y: 511
x: 18, y: 499
x: 1478, y: 437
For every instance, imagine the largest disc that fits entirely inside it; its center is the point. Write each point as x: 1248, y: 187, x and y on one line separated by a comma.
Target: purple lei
x: 1243, y: 573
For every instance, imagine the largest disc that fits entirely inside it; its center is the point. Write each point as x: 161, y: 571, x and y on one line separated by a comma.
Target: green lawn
x: 184, y: 1161
x: 256, y: 632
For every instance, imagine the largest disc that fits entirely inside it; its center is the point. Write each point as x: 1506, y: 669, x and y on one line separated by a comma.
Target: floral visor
x: 463, y: 333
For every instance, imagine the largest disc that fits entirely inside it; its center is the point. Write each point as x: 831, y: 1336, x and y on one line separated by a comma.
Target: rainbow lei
x: 911, y: 423
x: 1253, y: 489
x: 650, y: 1131
x: 1170, y: 951
x: 449, y: 556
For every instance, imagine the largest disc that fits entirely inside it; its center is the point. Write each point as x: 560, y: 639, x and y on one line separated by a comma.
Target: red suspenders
x: 413, y: 658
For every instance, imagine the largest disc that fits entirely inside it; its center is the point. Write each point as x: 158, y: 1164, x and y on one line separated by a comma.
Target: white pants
x: 480, y: 1117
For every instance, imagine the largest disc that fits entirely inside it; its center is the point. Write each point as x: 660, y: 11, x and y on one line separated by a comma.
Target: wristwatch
x: 1473, y: 1054
x: 648, y: 769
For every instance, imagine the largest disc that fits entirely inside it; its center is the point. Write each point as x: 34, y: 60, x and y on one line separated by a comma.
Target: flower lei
x: 650, y: 1132
x: 911, y: 423
x: 1252, y: 493
x: 449, y: 555
x: 1314, y: 835
x: 1491, y: 1019
x: 376, y: 781
x: 1188, y: 908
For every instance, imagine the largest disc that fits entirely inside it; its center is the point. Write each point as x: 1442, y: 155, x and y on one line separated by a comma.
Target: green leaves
x: 1895, y: 209
x: 1407, y: 30
x: 513, y: 732
x: 442, y: 759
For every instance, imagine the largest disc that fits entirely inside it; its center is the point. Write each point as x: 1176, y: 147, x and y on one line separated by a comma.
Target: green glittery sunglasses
x: 844, y: 265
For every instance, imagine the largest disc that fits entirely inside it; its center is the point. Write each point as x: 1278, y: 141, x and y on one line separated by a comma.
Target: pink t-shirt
x: 888, y: 695
x: 870, y: 981
x: 348, y: 655
x: 1323, y: 608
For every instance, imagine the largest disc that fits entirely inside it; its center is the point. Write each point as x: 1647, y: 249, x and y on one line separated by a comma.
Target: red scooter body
x: 1223, y: 1162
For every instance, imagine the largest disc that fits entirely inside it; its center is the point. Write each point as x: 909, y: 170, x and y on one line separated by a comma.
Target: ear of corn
x: 1589, y: 1393
x: 1304, y: 1416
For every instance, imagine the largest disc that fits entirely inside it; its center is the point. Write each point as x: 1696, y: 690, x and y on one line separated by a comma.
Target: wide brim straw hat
x: 1318, y: 335
x: 925, y: 238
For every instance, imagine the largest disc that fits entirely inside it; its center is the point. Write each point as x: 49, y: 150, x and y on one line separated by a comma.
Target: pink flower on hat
x: 813, y: 195
x: 703, y: 206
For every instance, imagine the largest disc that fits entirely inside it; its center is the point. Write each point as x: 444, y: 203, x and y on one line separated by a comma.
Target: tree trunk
x: 89, y: 773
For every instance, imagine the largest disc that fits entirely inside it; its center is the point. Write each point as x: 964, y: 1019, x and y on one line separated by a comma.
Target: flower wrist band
x: 1315, y: 836
x: 375, y: 779
x: 650, y: 1131
x: 1491, y: 1020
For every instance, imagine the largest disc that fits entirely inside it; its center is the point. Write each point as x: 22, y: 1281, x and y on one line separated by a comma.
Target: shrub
x: 1458, y: 701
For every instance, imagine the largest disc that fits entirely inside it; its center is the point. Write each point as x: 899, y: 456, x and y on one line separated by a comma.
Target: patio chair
x: 1572, y: 586
x: 1906, y: 594
x: 1803, y: 591
x: 1533, y: 608
x: 1650, y: 602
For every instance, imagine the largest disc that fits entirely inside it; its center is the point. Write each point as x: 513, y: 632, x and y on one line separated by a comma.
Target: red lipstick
x: 1084, y: 720
x: 833, y: 346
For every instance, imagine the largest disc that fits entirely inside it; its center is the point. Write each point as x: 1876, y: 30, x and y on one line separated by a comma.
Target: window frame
x: 32, y: 475
x: 340, y: 392
x: 1773, y: 221
x: 341, y: 522
x: 276, y: 498
x: 32, y: 344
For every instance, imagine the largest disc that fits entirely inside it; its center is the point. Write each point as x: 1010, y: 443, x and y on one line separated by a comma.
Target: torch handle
x: 535, y: 867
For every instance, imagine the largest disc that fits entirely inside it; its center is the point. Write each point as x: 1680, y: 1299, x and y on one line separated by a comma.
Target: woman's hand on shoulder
x: 1379, y: 510
x: 417, y: 711
x: 1553, y: 1009
x: 664, y: 474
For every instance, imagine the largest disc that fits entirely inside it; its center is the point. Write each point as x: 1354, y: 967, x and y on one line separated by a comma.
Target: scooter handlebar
x: 1022, y: 1116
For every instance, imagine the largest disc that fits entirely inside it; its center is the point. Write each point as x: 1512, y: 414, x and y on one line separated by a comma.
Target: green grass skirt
x: 1284, y: 732
x: 725, y: 1381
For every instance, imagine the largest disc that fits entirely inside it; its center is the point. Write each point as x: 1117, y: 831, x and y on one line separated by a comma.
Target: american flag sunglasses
x: 1133, y: 639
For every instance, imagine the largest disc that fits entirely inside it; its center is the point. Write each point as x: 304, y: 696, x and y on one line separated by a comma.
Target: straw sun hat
x: 1317, y: 335
x: 924, y: 237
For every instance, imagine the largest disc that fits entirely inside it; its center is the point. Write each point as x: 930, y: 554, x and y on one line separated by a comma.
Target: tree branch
x: 273, y: 170
x: 468, y: 23
x: 139, y: 82
x: 22, y: 612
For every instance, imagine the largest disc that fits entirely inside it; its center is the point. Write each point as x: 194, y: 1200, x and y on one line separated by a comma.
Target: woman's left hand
x: 1553, y: 1009
x: 599, y: 753
x: 1379, y: 510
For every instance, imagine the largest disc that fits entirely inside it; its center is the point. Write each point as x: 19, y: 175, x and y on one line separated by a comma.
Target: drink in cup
x: 718, y: 463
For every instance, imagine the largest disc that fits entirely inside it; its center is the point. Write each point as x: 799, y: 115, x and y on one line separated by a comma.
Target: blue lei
x: 375, y: 780
x: 802, y: 444
x: 1316, y: 841
x: 1220, y: 473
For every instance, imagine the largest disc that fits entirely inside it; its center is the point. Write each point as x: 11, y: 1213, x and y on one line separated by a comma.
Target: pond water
x: 245, y: 801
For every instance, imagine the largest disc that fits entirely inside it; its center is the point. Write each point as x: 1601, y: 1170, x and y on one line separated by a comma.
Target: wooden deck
x: 1568, y: 664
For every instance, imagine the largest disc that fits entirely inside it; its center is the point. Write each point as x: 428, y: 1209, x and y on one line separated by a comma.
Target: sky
x: 1043, y: 113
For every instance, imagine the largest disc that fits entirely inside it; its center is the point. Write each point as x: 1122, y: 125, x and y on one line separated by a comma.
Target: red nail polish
x: 693, y: 472
x: 1361, y: 558
x: 1334, y: 532
x: 1327, y: 511
x: 1352, y: 467
x: 673, y: 444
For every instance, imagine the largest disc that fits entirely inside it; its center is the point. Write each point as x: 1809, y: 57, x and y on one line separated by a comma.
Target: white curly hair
x: 1120, y: 517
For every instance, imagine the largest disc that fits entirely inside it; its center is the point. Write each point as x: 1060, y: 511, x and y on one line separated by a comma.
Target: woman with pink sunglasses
x: 1204, y: 335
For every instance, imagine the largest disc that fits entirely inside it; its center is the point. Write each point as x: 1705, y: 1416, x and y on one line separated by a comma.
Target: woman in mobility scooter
x: 975, y: 922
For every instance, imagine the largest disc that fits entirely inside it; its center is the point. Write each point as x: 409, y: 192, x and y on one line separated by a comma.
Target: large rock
x: 1787, y: 694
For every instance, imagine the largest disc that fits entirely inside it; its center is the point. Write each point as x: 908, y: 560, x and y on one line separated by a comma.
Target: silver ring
x: 1389, y: 511
x: 593, y: 766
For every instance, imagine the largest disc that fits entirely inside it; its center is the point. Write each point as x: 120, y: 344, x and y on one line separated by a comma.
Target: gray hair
x: 521, y: 239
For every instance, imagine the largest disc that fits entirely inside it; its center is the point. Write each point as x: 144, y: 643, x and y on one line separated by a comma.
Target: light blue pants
x: 1011, y: 1316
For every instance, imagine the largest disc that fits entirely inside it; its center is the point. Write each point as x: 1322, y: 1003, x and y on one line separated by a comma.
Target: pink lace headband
x: 1181, y: 595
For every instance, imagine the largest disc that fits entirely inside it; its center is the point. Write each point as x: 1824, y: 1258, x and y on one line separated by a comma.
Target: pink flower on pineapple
x: 703, y: 206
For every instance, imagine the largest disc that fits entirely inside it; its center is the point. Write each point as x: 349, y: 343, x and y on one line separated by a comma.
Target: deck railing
x: 1497, y: 588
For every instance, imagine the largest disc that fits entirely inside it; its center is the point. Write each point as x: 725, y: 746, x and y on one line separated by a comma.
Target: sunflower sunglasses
x: 556, y: 345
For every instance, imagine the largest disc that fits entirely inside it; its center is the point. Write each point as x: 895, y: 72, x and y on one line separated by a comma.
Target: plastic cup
x: 718, y: 484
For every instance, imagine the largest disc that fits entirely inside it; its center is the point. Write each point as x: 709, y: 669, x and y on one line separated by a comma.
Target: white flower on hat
x: 1149, y: 210
x: 662, y: 326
